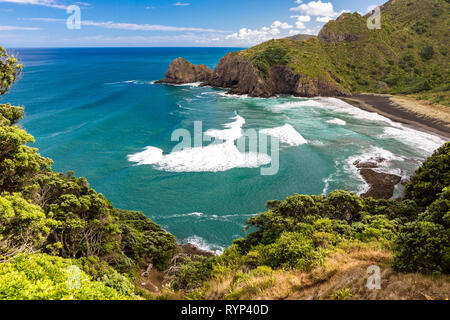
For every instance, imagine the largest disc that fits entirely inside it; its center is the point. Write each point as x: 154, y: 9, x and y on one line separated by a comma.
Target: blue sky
x: 143, y: 23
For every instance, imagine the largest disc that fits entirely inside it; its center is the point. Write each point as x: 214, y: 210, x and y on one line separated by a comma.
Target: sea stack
x: 181, y: 71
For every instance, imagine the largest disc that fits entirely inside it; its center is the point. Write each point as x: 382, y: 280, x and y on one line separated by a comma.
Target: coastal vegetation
x: 60, y: 239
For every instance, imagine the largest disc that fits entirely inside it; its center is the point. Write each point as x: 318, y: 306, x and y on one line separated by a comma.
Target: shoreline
x: 385, y: 106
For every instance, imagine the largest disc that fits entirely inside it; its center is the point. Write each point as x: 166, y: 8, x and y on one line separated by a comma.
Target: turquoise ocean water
x: 98, y: 113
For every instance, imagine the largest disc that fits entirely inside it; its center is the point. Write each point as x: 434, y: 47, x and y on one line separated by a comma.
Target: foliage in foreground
x: 43, y: 277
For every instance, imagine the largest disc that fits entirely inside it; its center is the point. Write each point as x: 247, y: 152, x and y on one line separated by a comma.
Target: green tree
x: 23, y: 226
x: 431, y: 178
x: 19, y: 163
x: 10, y: 70
x: 43, y: 277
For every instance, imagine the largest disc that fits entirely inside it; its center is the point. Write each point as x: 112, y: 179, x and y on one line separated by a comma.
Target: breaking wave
x: 286, y: 134
x: 202, y: 244
x: 337, y: 121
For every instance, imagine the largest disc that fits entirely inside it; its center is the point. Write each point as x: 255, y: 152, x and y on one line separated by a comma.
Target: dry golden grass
x: 423, y: 107
x: 343, y: 276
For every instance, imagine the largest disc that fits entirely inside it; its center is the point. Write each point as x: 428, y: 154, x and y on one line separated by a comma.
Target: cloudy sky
x: 105, y: 23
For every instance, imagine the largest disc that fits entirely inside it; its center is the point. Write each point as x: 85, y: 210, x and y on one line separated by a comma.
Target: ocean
x: 98, y: 112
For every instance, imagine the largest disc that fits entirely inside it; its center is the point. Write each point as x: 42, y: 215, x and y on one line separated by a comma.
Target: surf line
x: 221, y: 154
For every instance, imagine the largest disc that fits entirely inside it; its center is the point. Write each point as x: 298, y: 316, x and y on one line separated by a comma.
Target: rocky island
x: 181, y: 71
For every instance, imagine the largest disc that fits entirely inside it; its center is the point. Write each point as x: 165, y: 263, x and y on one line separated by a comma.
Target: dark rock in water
x: 382, y: 185
x: 181, y: 71
x: 192, y: 250
x: 241, y: 76
x: 372, y: 163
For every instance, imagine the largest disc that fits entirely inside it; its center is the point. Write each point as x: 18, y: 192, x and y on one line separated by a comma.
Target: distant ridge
x: 407, y: 54
x: 301, y: 37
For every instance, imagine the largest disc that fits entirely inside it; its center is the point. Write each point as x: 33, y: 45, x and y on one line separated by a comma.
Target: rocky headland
x: 240, y: 75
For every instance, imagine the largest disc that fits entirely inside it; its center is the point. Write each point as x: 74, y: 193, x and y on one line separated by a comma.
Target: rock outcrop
x: 181, y: 71
x: 240, y: 76
x: 382, y: 185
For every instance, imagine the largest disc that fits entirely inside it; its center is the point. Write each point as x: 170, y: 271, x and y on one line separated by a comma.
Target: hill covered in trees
x: 408, y: 55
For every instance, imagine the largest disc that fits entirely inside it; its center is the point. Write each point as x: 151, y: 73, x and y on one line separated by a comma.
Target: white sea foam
x: 216, y: 157
x: 229, y: 95
x: 294, y: 105
x: 286, y: 134
x: 417, y: 139
x: 137, y: 82
x: 202, y: 244
x: 192, y: 84
x: 414, y: 138
x: 337, y: 121
x: 197, y: 214
x: 340, y: 106
x: 233, y: 130
x: 212, y: 158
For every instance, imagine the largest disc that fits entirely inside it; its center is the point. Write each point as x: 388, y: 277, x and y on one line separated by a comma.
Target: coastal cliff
x: 408, y: 55
x: 241, y: 76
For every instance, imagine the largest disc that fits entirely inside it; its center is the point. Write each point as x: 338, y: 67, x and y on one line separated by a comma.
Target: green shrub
x: 427, y: 53
x: 439, y: 211
x: 422, y: 247
x: 23, y: 226
x: 291, y: 251
x: 10, y: 115
x: 43, y: 277
x: 430, y: 179
x: 323, y: 239
x: 144, y: 241
x: 10, y: 70
x: 342, y: 205
x: 119, y: 283
x: 19, y: 163
x: 192, y: 274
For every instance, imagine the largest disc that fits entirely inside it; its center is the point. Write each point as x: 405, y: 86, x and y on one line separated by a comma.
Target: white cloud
x: 316, y: 8
x: 13, y: 28
x: 130, y: 26
x: 182, y: 4
x: 277, y: 29
x: 302, y: 18
x: 45, y: 3
x: 300, y: 23
x: 281, y: 25
x: 142, y: 27
x: 323, y: 19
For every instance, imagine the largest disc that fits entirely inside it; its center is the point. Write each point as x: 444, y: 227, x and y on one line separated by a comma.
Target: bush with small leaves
x: 23, y: 226
x: 43, y: 277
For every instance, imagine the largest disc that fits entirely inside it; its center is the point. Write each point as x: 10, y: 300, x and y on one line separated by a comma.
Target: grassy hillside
x: 408, y: 55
